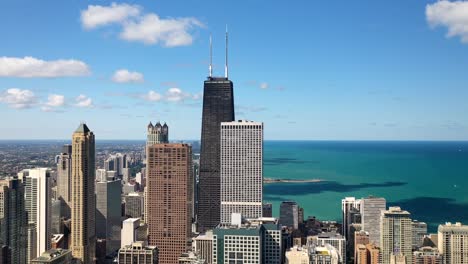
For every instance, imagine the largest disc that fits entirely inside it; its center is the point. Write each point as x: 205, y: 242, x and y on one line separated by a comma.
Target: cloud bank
x: 136, y: 26
x: 30, y: 67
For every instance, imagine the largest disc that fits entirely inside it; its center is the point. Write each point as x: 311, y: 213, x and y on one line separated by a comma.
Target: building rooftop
x: 82, y: 128
x: 52, y: 254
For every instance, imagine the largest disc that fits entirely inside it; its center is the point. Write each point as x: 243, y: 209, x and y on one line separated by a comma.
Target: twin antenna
x: 211, y: 56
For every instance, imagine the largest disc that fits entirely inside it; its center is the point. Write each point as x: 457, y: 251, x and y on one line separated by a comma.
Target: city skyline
x: 389, y: 80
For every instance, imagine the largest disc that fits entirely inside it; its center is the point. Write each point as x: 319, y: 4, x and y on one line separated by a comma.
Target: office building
x: 297, y: 255
x: 326, y: 254
x: 157, y: 134
x: 108, y: 213
x: 134, y: 205
x: 289, y: 214
x: 129, y: 231
x: 360, y: 238
x: 54, y: 256
x: 203, y: 245
x: 38, y: 205
x: 453, y: 242
x: 241, y: 169
x: 218, y: 106
x: 13, y: 221
x: 83, y: 201
x: 419, y: 231
x: 169, y: 199
x: 129, y: 187
x: 427, y: 255
x: 253, y: 241
x: 331, y: 238
x: 370, y: 213
x: 56, y: 216
x: 267, y: 210
x: 64, y: 180
x: 138, y: 253
x: 101, y: 175
x: 116, y: 162
x: 396, y: 236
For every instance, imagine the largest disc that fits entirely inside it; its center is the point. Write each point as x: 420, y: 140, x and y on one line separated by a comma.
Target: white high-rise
x: 396, y: 236
x: 241, y: 169
x: 38, y: 207
x: 453, y: 242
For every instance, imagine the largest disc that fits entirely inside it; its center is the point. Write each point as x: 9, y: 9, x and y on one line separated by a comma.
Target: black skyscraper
x: 218, y: 106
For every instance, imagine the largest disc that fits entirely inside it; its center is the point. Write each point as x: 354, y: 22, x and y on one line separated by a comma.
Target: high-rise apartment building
x: 169, y: 199
x: 13, y: 221
x: 396, y: 235
x: 371, y: 208
x: 241, y: 169
x: 64, y: 180
x: 38, y: 205
x: 453, y: 242
x: 108, y: 213
x: 367, y: 254
x: 218, y: 106
x: 289, y: 214
x: 83, y: 200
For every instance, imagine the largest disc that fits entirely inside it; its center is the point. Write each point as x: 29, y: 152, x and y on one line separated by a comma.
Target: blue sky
x: 338, y: 70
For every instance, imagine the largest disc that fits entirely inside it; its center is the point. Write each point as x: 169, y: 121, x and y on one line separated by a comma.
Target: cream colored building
x: 83, y: 210
x: 453, y: 242
x: 396, y: 236
x: 297, y: 255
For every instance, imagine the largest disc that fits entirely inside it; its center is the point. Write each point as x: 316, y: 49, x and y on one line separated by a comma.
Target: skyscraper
x: 83, y: 200
x: 218, y: 106
x: 453, y: 242
x: 241, y: 169
x: 134, y: 205
x: 38, y: 206
x: 108, y: 213
x: 169, y: 199
x: 289, y: 214
x: 64, y: 179
x: 157, y: 134
x: 347, y: 204
x: 396, y: 235
x: 370, y: 213
x: 13, y: 221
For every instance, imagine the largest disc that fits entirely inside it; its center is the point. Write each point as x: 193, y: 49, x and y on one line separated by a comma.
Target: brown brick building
x: 169, y: 199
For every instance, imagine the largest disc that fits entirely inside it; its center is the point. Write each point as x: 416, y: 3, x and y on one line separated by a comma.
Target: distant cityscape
x: 161, y: 201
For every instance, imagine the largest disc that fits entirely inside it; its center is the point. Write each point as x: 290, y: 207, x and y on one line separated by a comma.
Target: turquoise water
x: 429, y: 179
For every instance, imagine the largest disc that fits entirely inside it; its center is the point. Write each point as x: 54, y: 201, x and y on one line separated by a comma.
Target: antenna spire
x: 226, y: 65
x: 211, y: 57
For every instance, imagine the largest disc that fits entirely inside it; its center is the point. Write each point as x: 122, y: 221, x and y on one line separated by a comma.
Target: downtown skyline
x: 376, y: 77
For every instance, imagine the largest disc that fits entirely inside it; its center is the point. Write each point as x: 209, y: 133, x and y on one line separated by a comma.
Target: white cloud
x: 453, y: 15
x: 18, y: 98
x: 147, y: 28
x: 151, y: 29
x: 83, y: 101
x: 171, y: 95
x: 29, y: 67
x: 97, y: 15
x: 264, y: 85
x: 152, y: 96
x: 55, y: 100
x: 125, y: 76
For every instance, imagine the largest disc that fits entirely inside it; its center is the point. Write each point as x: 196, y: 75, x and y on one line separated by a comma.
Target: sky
x: 310, y: 70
